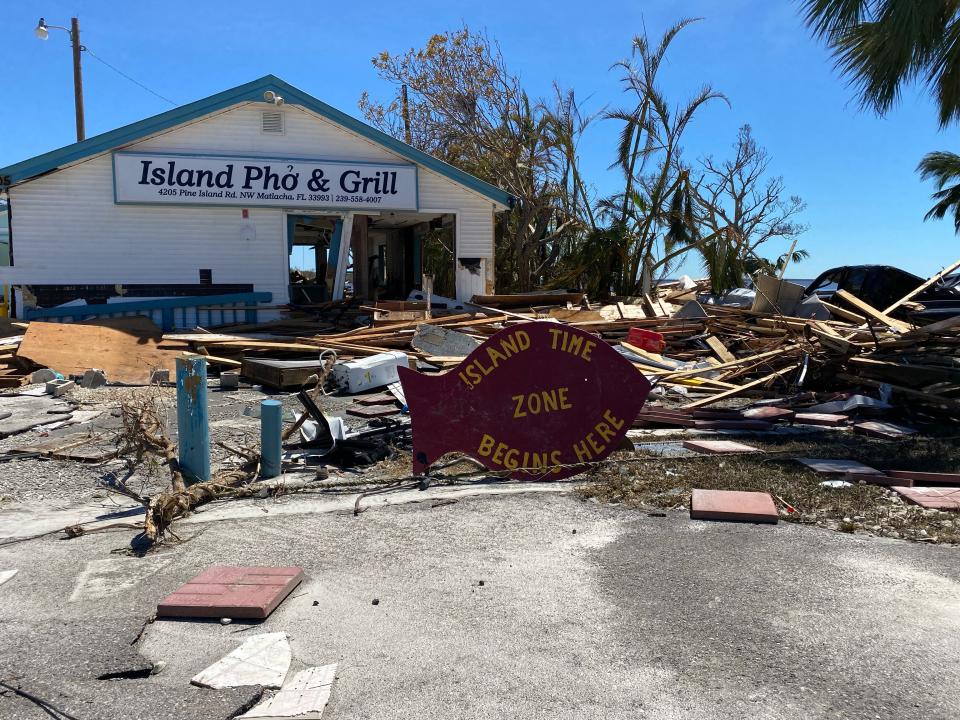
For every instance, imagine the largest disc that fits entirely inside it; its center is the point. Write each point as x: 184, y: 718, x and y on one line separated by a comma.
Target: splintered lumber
x: 733, y: 363
x: 719, y: 349
x: 916, y: 291
x: 127, y: 349
x: 514, y: 301
x: 741, y: 388
x: 872, y: 312
x: 844, y: 313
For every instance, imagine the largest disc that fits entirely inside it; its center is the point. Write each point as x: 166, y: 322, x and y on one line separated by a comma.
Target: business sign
x: 538, y: 400
x: 220, y: 180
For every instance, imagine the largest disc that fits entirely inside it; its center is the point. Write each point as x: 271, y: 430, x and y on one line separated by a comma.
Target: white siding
x: 67, y: 229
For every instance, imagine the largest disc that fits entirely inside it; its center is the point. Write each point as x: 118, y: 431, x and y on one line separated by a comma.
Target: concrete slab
x: 837, y: 467
x: 261, y: 660
x: 717, y: 447
x: 944, y: 498
x: 224, y: 591
x: 565, y: 625
x: 733, y: 505
x: 7, y: 575
x: 303, y: 698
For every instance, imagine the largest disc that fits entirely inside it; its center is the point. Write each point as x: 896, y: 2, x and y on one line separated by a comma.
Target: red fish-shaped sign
x: 538, y: 399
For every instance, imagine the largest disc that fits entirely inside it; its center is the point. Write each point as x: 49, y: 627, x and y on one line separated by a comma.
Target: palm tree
x: 944, y: 168
x: 884, y: 44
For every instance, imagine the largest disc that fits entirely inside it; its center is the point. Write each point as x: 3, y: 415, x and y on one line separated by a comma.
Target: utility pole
x: 77, y: 77
x: 405, y: 109
x: 42, y: 31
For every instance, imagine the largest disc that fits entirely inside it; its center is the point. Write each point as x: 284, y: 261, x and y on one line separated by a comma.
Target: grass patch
x: 653, y: 481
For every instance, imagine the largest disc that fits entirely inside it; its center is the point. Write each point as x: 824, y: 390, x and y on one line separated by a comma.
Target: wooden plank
x: 930, y: 281
x: 128, y: 352
x: 746, y: 386
x: 844, y: 313
x: 721, y: 366
x: 872, y: 312
x: 719, y: 349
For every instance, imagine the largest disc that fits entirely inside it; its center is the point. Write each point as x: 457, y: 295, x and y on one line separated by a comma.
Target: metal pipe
x: 271, y: 429
x: 193, y: 428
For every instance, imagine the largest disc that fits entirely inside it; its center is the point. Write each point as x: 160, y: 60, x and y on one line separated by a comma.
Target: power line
x: 120, y: 72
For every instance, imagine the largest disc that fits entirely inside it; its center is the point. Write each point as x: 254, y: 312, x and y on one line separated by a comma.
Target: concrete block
x: 59, y: 387
x: 43, y: 375
x: 229, y: 379
x: 160, y: 377
x: 93, y: 378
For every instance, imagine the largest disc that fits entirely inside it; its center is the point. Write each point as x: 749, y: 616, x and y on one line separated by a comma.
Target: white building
x: 217, y: 196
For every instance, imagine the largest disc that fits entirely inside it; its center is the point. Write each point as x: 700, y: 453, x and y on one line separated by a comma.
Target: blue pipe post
x: 271, y: 444
x: 193, y: 430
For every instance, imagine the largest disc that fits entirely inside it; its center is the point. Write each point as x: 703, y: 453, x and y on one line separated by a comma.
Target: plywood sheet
x: 127, y: 349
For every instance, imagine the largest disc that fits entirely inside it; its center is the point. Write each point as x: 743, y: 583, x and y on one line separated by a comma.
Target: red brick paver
x: 820, y: 419
x: 715, y: 447
x: 942, y: 498
x: 925, y: 478
x: 233, y: 592
x: 734, y: 505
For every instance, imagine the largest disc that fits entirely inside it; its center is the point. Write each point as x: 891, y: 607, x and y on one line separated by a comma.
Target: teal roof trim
x: 248, y: 92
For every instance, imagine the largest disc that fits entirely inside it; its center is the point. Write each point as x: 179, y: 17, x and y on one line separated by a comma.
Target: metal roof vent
x: 271, y: 121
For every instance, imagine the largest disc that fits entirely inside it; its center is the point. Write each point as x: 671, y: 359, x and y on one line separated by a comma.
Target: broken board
x: 127, y: 349
x: 79, y: 447
x: 373, y: 411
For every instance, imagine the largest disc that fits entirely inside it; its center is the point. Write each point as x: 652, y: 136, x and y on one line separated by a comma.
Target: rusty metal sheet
x: 538, y: 399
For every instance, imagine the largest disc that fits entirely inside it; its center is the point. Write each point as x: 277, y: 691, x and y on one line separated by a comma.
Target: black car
x: 882, y: 285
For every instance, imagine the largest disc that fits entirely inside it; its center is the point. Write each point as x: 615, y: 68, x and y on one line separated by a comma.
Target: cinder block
x: 59, y: 387
x: 229, y: 379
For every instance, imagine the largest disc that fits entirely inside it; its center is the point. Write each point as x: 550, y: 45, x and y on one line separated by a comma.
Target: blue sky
x: 865, y: 202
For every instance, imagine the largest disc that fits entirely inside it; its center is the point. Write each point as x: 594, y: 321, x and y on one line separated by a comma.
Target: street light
x: 42, y: 31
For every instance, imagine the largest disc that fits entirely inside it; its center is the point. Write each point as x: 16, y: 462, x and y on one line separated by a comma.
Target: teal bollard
x: 193, y: 429
x: 271, y: 443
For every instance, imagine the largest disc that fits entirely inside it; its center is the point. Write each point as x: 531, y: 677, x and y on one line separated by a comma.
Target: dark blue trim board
x: 248, y: 92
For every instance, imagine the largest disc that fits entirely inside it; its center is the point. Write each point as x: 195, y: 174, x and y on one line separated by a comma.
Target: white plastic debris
x: 836, y: 484
x: 303, y: 698
x: 370, y: 372
x: 260, y: 660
